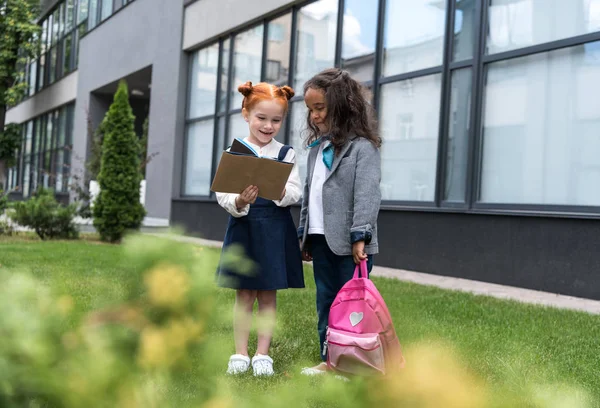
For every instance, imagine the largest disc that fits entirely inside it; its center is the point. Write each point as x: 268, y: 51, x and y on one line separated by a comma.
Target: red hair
x: 263, y: 91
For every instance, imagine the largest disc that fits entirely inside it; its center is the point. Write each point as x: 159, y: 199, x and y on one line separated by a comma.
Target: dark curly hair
x: 348, y: 108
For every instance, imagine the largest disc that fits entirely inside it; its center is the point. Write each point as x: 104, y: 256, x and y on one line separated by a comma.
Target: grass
x: 505, y: 343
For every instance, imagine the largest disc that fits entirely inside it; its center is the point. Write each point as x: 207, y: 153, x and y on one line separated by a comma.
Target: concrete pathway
x: 458, y: 284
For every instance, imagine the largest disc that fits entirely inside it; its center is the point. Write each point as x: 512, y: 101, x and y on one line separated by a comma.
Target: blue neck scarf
x: 327, y: 151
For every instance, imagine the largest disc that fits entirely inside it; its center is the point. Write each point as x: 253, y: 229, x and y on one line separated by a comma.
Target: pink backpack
x: 361, y: 338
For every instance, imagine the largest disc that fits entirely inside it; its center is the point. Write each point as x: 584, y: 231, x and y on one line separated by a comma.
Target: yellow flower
x: 168, y: 286
x: 433, y: 378
x: 165, y: 347
x: 154, y: 350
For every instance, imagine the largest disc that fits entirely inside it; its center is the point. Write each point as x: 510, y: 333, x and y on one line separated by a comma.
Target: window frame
x: 477, y: 64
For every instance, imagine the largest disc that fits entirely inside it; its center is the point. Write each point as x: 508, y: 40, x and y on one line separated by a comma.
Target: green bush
x: 46, y: 216
x: 3, y: 201
x: 117, y: 208
x: 6, y: 228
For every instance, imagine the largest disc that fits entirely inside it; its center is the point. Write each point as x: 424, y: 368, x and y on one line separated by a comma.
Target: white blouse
x: 293, y: 187
x: 315, y: 196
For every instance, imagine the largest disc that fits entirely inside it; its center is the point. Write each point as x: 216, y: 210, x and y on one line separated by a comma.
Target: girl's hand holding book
x: 248, y: 196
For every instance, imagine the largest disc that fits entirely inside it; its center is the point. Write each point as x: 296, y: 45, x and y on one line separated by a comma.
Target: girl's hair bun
x: 287, y: 91
x: 245, y: 89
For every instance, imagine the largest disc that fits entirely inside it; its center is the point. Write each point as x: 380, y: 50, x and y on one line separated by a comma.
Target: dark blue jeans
x: 331, y: 273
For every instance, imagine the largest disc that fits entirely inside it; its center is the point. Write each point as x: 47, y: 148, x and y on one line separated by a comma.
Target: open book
x: 241, y: 167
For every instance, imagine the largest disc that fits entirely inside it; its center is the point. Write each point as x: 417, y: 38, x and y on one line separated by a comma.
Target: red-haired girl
x: 264, y: 229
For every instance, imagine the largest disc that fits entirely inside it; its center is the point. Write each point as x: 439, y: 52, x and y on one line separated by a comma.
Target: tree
x: 19, y: 36
x: 117, y: 207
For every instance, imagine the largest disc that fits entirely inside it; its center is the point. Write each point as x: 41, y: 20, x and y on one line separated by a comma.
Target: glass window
x: 32, y: 77
x: 458, y: 136
x: 317, y: 27
x: 238, y: 128
x: 540, y: 129
x: 55, y: 26
x: 41, y: 76
x: 247, y: 60
x: 60, y: 165
x: 220, y: 138
x: 92, y: 14
x: 358, y: 39
x: 297, y: 118
x: 278, y: 50
x: 26, y: 177
x: 465, y: 22
x: 410, y: 112
x: 67, y: 54
x: 70, y: 14
x: 29, y: 138
x: 78, y: 34
x: 528, y: 22
x: 49, y: 35
x: 52, y: 66
x: 199, y: 158
x: 203, y: 82
x: 224, y: 74
x: 413, y: 36
x: 106, y: 9
x: 62, y: 128
x: 46, y: 144
x: 61, y: 21
x: 44, y: 36
x: 82, y: 12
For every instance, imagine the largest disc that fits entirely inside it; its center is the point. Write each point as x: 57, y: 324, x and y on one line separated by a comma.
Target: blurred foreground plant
x: 153, y: 347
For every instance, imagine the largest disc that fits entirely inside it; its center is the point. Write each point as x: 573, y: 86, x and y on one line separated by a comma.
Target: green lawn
x: 506, y: 344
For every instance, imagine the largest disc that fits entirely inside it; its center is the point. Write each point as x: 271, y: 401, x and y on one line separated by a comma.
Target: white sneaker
x: 238, y: 364
x: 316, y: 370
x: 262, y: 365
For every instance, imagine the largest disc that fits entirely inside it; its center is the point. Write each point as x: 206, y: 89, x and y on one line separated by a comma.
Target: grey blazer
x: 351, y: 197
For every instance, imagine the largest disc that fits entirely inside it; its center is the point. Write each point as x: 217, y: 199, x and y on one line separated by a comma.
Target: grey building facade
x: 488, y: 110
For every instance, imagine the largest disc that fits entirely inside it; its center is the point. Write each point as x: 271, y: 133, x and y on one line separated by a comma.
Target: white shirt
x: 315, y: 197
x: 293, y: 187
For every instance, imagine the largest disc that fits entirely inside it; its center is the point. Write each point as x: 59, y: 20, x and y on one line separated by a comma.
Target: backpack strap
x: 361, y: 270
x: 283, y: 152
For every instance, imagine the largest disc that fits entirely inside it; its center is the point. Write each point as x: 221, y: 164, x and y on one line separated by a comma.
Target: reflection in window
x: 358, y: 39
x: 541, y: 126
x: 32, y: 77
x: 464, y: 30
x: 70, y: 13
x: 458, y: 136
x: 220, y: 139
x: 106, y: 9
x: 224, y: 72
x: 238, y: 128
x: 527, y: 22
x: 413, y: 36
x: 278, y: 50
x: 93, y: 14
x: 199, y: 157
x: 82, y: 11
x: 247, y: 60
x: 52, y: 66
x: 297, y: 118
x: 317, y: 25
x: 410, y: 125
x: 203, y: 82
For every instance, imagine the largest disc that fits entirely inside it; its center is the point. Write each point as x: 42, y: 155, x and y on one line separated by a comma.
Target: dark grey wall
x: 551, y: 254
x: 145, y: 33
